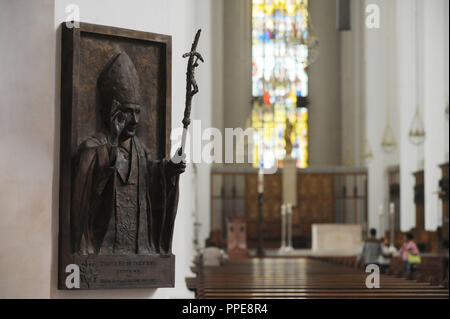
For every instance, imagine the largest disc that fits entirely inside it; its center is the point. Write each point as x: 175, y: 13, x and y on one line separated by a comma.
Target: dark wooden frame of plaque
x: 114, y: 271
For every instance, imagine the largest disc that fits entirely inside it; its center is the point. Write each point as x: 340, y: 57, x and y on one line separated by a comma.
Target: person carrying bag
x: 410, y: 254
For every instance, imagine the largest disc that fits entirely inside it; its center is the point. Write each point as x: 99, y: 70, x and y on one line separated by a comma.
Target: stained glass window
x: 279, y: 80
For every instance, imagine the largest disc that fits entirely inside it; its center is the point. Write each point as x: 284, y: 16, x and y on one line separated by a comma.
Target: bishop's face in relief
x: 123, y: 201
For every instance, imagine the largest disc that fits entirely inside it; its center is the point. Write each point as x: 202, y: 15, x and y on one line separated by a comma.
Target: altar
x: 328, y: 240
x: 336, y: 238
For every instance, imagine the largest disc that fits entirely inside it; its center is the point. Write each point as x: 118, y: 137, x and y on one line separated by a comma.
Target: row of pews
x: 432, y: 270
x: 301, y: 278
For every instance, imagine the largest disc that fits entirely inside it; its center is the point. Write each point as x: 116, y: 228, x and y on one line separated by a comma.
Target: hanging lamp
x: 367, y: 153
x: 388, y: 143
x: 417, y: 131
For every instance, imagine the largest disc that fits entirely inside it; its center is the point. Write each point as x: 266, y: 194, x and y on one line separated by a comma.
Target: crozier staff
x: 191, y: 87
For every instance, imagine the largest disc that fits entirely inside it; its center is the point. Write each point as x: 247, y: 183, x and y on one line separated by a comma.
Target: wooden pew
x: 303, y: 278
x: 433, y: 269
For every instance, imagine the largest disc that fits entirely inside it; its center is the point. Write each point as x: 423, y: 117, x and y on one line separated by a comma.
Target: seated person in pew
x: 371, y: 250
x: 410, y: 254
x: 212, y: 255
x: 385, y: 258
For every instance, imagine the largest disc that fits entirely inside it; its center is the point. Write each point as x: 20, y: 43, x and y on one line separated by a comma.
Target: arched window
x: 281, y: 52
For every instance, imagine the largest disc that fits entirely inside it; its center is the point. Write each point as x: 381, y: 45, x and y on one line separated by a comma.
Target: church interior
x: 340, y: 116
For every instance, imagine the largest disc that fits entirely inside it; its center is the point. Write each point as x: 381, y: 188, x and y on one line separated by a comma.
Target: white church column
x: 435, y: 90
x: 324, y: 122
x: 209, y: 18
x: 380, y: 90
x: 445, y: 68
x: 405, y: 64
x: 352, y: 88
x: 237, y: 55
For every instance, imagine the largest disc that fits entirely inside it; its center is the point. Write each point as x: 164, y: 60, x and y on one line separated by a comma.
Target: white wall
x: 27, y: 113
x: 176, y: 18
x: 30, y: 38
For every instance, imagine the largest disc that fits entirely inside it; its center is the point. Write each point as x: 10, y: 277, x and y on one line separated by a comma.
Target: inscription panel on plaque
x: 97, y: 272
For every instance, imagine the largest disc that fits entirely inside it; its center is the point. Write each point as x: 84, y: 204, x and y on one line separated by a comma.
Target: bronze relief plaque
x: 118, y: 187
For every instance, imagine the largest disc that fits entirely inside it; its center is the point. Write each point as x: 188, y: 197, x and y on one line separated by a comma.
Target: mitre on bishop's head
x: 119, y: 80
